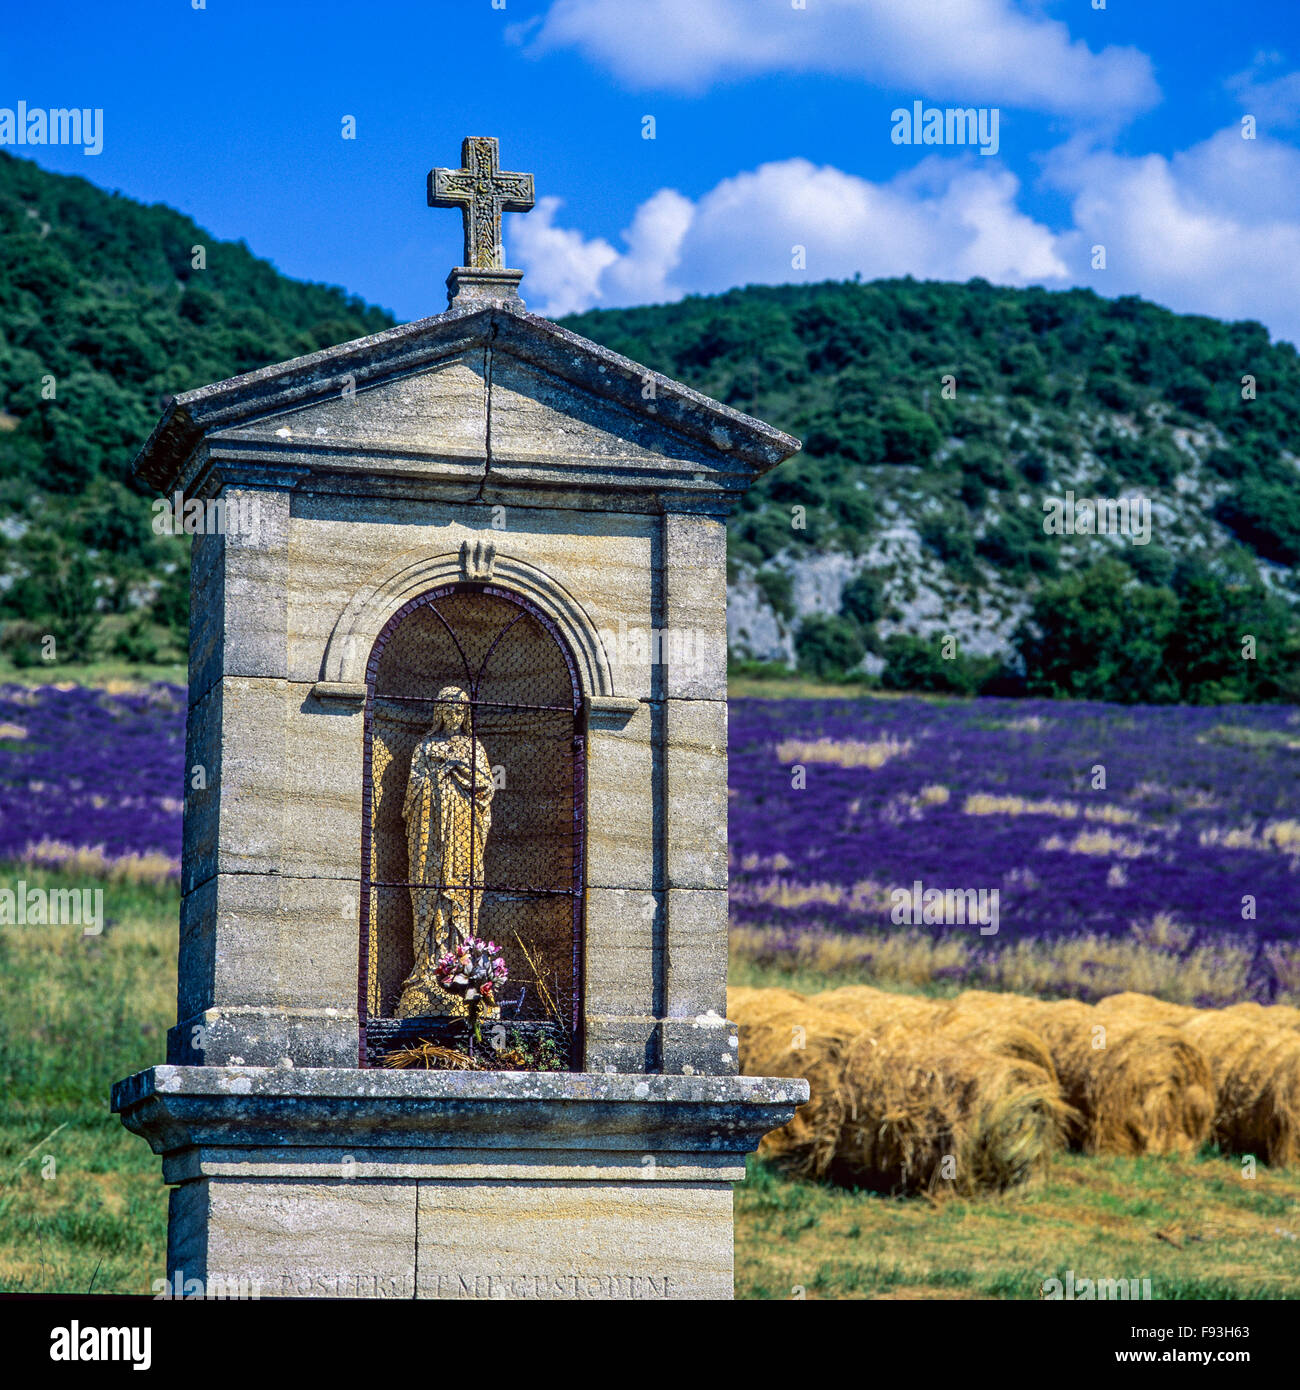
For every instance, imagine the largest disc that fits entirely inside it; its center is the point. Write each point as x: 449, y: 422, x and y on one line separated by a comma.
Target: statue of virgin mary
x: 448, y: 812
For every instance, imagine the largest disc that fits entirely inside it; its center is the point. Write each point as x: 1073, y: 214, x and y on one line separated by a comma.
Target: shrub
x: 912, y: 663
x: 860, y: 600
x: 949, y: 536
x: 908, y: 435
x: 1265, y: 516
x: 1099, y: 635
x: 777, y: 587
x: 136, y: 641
x: 829, y: 647
x: 21, y: 642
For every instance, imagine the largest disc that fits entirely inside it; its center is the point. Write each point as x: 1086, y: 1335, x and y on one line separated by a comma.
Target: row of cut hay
x: 1158, y: 1078
x: 931, y: 1113
x: 1254, y: 1053
x: 1140, y: 1085
x: 1005, y: 1037
x: 896, y: 1106
x: 1135, y: 1085
x: 1257, y: 1084
x: 1148, y: 1089
x: 781, y: 1034
x: 1271, y: 1015
x: 1282, y: 1016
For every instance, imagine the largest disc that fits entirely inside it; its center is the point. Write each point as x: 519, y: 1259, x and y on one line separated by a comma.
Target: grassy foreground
x: 109, y: 674
x: 1196, y: 1228
x: 83, y: 1206
x: 82, y: 1203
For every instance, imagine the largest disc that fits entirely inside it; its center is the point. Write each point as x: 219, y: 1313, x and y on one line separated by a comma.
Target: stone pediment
x: 491, y: 399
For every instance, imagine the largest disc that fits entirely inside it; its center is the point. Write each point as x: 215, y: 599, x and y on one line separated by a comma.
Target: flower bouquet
x: 474, y: 970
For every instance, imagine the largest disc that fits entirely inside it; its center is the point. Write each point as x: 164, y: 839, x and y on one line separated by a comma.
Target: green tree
x: 1099, y: 635
x: 908, y: 435
x: 862, y: 599
x: 1266, y: 516
x: 915, y: 663
x: 1207, y: 645
x: 57, y: 594
x: 828, y: 647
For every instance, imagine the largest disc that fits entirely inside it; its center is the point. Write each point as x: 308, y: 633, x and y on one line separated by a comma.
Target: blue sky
x: 1120, y: 127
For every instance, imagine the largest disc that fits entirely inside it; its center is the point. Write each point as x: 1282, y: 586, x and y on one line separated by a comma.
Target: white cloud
x: 1273, y: 101
x: 988, y: 51
x: 1213, y: 230
x: 575, y: 273
x: 946, y: 219
x: 563, y: 264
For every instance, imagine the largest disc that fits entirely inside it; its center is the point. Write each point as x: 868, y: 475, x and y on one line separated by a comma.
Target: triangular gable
x: 496, y: 385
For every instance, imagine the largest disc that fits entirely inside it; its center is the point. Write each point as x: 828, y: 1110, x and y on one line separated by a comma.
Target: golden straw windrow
x: 993, y: 1082
x: 898, y: 1104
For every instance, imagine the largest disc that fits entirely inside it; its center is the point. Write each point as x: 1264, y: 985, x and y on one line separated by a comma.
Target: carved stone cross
x: 482, y: 192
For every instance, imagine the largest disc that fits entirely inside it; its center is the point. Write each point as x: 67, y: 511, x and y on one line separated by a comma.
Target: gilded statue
x: 448, y: 813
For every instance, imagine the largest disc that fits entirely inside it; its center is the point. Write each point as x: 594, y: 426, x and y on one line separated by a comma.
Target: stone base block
x: 634, y: 1239
x: 705, y: 1046
x: 514, y: 1185
x: 256, y: 1238
x: 618, y: 1044
x: 257, y: 1037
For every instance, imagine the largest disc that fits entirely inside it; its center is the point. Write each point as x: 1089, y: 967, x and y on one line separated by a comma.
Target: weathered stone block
x: 575, y: 1240
x: 269, y: 1036
x: 283, y: 776
x: 623, y: 964
x: 695, y: 605
x: 341, y: 544
x: 235, y: 824
x: 706, y: 1045
x: 207, y: 613
x: 621, y: 795
x: 696, y: 950
x: 202, y: 817
x: 267, y: 940
x: 441, y: 413
x: 622, y: 1045
x: 323, y: 752
x: 239, y: 587
x: 340, y: 1239
x: 696, y: 770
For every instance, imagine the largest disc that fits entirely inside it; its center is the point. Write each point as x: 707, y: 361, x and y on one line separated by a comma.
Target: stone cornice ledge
x: 610, y: 711
x: 261, y: 1108
x: 340, y: 692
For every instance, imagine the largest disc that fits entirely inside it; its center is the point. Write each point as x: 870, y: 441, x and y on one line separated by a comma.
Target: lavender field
x: 92, y: 780
x: 1148, y: 882
x: 1180, y: 875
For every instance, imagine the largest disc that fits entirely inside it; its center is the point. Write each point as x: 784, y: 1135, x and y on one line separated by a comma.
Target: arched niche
x: 389, y: 589
x: 524, y: 721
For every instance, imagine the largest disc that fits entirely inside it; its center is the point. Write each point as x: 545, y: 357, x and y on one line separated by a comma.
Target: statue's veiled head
x: 453, y: 709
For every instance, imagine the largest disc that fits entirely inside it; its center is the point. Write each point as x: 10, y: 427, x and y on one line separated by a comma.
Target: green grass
x: 1197, y: 1228
x: 909, y: 960
x: 82, y: 1203
x: 112, y: 672
x: 797, y: 687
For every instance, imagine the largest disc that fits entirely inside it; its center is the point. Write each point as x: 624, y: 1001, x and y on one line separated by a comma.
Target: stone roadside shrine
x: 453, y: 940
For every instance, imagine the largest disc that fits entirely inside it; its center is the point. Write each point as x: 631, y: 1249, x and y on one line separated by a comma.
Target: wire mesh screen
x: 474, y: 776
